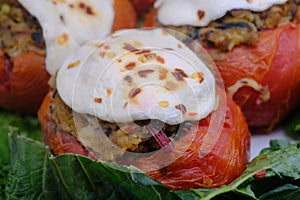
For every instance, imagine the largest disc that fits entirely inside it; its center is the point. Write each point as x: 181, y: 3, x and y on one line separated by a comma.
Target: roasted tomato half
x: 212, y: 153
x: 263, y: 79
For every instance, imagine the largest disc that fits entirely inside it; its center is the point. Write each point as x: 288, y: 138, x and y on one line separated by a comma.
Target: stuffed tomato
x: 255, y: 45
x: 143, y: 98
x: 24, y: 70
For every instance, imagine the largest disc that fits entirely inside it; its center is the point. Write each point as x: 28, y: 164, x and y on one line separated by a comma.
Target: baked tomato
x: 262, y: 79
x: 23, y: 81
x: 142, y: 6
x: 23, y: 77
x: 212, y: 153
x: 125, y: 15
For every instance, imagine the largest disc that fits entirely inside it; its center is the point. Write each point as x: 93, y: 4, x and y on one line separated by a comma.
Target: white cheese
x: 67, y: 24
x: 137, y: 75
x: 202, y: 12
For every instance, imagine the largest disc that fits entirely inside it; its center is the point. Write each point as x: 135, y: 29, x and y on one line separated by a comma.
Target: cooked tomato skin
x: 199, y: 167
x: 220, y: 161
x: 142, y: 6
x: 125, y: 15
x: 23, y: 82
x: 273, y: 63
x: 60, y: 142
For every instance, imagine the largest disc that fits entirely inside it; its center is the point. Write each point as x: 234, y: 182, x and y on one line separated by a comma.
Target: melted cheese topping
x: 137, y: 75
x: 202, y: 12
x: 67, y: 24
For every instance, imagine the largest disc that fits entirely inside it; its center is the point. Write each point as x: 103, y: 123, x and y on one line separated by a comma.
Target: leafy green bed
x: 28, y: 171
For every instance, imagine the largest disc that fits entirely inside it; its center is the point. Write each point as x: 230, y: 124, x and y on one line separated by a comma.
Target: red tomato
x: 142, y: 6
x: 125, y: 15
x: 273, y: 64
x: 213, y: 153
x: 24, y: 79
x: 23, y: 82
x: 213, y: 158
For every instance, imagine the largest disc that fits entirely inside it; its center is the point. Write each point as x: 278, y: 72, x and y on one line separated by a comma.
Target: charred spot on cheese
x: 198, y: 76
x: 192, y: 114
x: 143, y: 51
x: 179, y: 74
x: 63, y: 38
x: 128, y: 79
x: 164, y: 32
x: 88, y: 9
x: 106, y: 47
x: 144, y: 73
x: 150, y: 56
x: 200, y: 14
x: 142, y: 59
x: 163, y: 74
x: 102, y: 54
x: 129, y: 47
x: 108, y: 92
x: 160, y: 59
x: 163, y: 104
x: 130, y: 66
x: 181, y: 107
x: 75, y: 64
x: 134, y: 92
x: 125, y: 105
x: 98, y: 100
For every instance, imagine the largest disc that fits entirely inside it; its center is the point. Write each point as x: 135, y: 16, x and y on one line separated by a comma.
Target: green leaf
x: 292, y: 127
x: 285, y: 192
x: 281, y: 167
x: 28, y: 126
x: 35, y: 174
x: 86, y: 179
x: 28, y: 166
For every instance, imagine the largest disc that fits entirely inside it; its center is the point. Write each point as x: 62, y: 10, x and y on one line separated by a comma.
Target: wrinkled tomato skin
x: 198, y: 166
x: 274, y: 64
